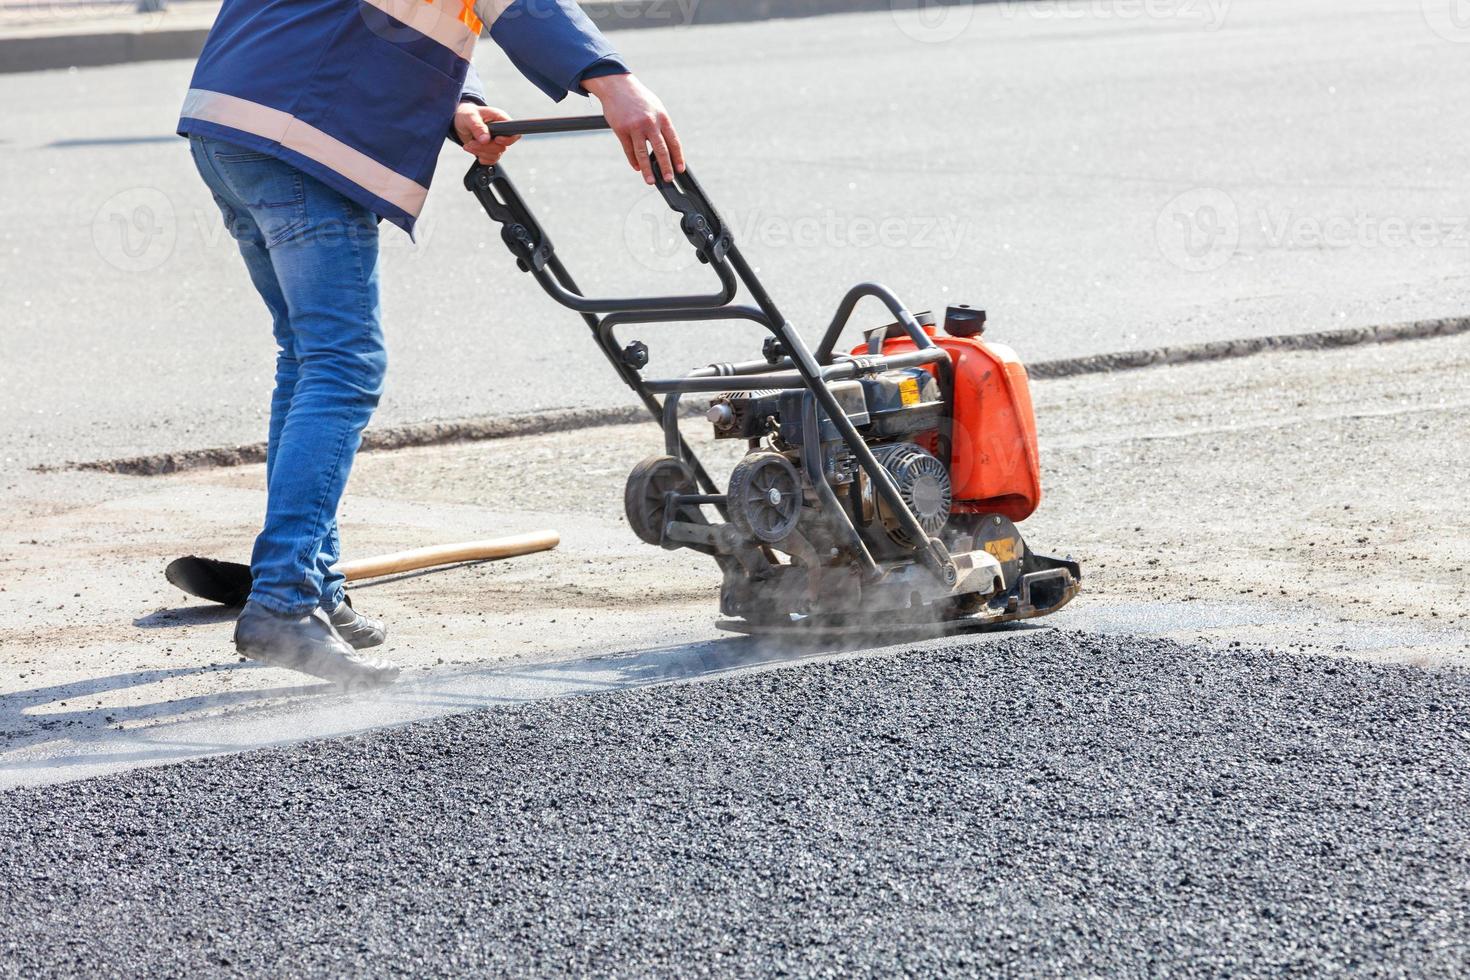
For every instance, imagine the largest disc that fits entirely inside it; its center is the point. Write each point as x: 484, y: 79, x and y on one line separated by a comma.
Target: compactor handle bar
x: 528, y: 241
x: 715, y: 247
x: 684, y: 195
x: 540, y: 127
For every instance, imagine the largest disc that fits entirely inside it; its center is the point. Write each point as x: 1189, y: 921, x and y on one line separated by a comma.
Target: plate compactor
x: 880, y: 487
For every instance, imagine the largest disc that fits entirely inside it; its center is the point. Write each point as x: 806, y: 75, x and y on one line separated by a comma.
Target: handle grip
x: 540, y: 127
x: 448, y: 554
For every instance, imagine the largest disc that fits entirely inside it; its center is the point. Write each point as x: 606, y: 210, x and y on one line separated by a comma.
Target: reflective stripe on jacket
x: 360, y: 93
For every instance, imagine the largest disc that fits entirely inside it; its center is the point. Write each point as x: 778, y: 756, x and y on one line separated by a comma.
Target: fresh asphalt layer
x: 1100, y: 176
x: 1056, y: 803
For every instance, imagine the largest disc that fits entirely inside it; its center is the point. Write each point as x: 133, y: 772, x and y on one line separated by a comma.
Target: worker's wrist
x: 467, y: 105
x: 604, y: 85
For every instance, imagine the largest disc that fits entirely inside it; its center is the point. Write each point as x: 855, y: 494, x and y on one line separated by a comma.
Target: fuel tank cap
x: 964, y: 321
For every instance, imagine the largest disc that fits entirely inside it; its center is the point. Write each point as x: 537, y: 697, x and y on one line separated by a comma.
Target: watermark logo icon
x: 652, y: 236
x: 135, y: 230
x: 1199, y: 230
x: 931, y: 21
x: 1450, y: 19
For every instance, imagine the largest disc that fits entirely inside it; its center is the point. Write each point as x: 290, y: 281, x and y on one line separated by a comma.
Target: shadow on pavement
x: 26, y: 722
x: 186, y: 616
x: 56, y: 746
x: 109, y: 141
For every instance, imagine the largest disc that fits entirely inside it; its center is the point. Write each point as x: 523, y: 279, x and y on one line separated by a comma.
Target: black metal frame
x: 792, y: 365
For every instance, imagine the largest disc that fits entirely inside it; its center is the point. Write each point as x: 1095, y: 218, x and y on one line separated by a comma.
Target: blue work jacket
x: 360, y: 93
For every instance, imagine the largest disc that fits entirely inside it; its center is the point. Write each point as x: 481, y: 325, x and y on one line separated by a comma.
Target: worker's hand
x: 639, y: 119
x: 471, y: 124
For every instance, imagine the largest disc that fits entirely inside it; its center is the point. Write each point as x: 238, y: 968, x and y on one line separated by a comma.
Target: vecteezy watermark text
x: 937, y: 21
x: 1203, y: 229
x: 653, y: 237
x: 1211, y: 14
x: 1362, y: 230
x: 138, y: 230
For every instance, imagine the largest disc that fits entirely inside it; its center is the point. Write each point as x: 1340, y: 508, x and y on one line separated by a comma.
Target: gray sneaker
x: 307, y: 643
x: 359, y: 631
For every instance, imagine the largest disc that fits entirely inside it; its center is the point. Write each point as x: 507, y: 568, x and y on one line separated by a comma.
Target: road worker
x: 311, y: 121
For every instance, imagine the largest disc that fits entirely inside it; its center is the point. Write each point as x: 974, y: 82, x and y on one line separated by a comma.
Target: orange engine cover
x: 994, y: 466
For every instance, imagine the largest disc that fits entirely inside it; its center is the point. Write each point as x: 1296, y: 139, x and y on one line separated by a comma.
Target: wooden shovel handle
x: 449, y: 554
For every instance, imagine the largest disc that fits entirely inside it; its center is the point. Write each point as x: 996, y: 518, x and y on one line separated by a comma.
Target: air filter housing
x: 922, y: 481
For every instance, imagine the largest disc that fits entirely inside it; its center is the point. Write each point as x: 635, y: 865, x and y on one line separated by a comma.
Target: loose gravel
x: 1052, y: 802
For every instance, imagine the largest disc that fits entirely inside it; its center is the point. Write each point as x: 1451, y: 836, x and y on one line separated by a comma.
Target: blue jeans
x: 313, y: 257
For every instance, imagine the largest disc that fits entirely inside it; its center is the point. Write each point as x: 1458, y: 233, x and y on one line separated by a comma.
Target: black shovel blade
x: 225, y: 582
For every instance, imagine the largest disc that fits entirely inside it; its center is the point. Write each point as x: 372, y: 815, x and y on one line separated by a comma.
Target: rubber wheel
x: 765, y: 497
x: 643, y: 498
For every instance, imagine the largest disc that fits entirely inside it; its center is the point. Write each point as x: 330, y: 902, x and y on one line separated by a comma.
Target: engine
x: 896, y: 412
x: 924, y: 532
x: 883, y: 406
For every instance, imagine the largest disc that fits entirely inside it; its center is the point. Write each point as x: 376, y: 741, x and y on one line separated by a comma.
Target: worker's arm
x: 642, y: 125
x: 473, y: 90
x: 552, y: 42
x: 560, y: 50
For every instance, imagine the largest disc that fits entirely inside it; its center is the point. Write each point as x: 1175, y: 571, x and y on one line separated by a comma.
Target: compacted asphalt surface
x: 1050, y: 802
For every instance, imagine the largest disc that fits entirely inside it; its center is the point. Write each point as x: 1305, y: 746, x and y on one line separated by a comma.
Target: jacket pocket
x: 244, y: 156
x: 395, y: 107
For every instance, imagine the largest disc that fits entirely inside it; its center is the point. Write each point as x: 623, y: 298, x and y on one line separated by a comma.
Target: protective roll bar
x: 849, y: 303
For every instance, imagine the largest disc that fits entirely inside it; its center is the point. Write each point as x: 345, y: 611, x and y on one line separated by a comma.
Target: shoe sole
x: 326, y: 666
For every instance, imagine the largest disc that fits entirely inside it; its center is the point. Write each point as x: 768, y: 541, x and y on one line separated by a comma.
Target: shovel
x: 228, y: 582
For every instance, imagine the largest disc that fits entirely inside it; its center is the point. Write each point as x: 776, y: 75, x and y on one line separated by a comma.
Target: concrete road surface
x: 1309, y: 502
x: 1099, y: 175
